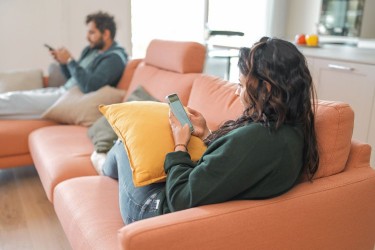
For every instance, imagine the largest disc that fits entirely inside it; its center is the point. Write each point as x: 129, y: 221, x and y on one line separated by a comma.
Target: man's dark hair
x: 103, y: 21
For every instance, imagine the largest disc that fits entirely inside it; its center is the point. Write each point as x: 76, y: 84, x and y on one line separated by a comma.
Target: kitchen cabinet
x: 352, y: 83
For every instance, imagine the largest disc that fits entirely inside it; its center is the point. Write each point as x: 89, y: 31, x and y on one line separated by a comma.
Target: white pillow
x: 21, y: 80
x: 75, y: 107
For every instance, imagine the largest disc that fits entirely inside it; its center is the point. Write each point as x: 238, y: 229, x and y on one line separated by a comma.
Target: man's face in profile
x: 94, y: 36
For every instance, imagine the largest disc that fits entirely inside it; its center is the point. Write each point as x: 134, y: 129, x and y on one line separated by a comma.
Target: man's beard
x: 98, y: 45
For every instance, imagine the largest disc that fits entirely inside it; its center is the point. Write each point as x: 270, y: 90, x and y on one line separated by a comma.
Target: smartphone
x: 49, y: 47
x: 179, y: 111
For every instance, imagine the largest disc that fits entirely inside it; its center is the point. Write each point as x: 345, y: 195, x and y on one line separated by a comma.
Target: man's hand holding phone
x: 61, y: 55
x: 49, y: 47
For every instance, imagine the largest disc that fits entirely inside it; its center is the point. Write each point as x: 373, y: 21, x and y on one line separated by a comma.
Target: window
x: 341, y: 17
x: 185, y: 20
x: 247, y: 16
x: 165, y: 19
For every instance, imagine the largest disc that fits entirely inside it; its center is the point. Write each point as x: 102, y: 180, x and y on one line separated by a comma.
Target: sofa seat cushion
x: 215, y: 99
x: 88, y: 210
x: 14, y: 150
x: 59, y: 153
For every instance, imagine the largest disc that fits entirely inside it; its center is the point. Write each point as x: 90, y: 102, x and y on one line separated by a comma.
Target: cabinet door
x: 351, y: 83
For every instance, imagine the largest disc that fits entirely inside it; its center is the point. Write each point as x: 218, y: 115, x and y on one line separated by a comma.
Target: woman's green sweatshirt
x: 251, y: 162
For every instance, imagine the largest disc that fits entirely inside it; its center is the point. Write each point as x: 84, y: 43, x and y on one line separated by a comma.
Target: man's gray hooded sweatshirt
x: 95, y: 69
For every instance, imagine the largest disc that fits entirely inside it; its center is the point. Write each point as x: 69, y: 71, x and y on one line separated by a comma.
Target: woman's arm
x: 219, y: 176
x: 248, y: 163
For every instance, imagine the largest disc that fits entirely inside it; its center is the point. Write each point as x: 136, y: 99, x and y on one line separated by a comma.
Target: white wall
x: 27, y: 24
x: 302, y: 17
x: 277, y: 16
x: 166, y: 19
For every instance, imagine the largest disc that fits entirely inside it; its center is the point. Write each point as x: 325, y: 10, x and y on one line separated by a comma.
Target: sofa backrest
x: 216, y: 100
x: 169, y: 67
x: 128, y: 73
x: 334, y: 122
x: 176, y: 56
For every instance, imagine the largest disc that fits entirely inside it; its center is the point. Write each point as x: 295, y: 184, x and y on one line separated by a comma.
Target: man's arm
x: 65, y: 71
x: 62, y: 55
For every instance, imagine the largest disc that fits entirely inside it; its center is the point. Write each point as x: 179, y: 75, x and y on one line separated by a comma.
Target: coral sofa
x: 14, y: 150
x: 335, y: 211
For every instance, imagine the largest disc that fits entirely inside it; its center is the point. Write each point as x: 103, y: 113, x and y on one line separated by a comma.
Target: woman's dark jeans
x: 136, y: 203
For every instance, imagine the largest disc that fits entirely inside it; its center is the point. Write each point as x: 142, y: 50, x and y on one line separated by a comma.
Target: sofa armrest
x: 359, y: 155
x: 45, y: 81
x: 26, y: 79
x: 128, y: 73
x: 334, y: 212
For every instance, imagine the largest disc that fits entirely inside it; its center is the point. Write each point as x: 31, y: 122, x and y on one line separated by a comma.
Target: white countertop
x: 363, y: 53
x: 341, y: 52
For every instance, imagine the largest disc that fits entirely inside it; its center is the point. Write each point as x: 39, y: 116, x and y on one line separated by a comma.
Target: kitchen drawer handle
x: 339, y: 67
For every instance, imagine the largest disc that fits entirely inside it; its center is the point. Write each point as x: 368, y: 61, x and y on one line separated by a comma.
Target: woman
x: 260, y: 155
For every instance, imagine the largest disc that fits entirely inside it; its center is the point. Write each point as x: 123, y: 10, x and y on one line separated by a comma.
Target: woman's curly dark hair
x: 280, y: 89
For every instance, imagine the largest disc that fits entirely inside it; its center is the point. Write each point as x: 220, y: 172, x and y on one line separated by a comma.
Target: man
x: 101, y: 63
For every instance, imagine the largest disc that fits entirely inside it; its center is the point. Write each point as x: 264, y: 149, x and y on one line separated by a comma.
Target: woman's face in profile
x: 241, y: 91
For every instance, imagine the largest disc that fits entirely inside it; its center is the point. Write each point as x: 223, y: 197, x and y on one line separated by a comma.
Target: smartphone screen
x: 179, y: 111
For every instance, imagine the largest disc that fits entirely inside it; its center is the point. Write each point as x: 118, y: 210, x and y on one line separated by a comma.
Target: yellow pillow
x: 144, y: 128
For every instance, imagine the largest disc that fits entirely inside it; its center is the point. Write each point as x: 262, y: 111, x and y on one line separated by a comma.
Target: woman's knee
x: 110, y: 166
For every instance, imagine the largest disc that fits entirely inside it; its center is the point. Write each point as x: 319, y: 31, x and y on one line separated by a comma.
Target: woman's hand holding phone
x: 184, y: 124
x: 181, y: 134
x: 200, y: 125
